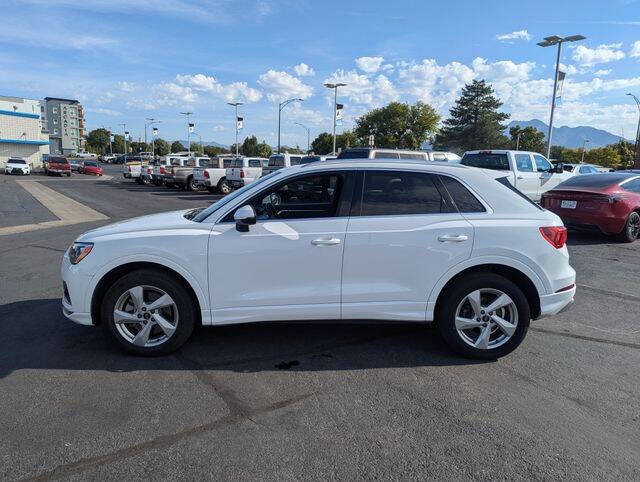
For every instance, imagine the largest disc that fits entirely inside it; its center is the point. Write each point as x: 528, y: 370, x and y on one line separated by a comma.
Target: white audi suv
x: 401, y: 241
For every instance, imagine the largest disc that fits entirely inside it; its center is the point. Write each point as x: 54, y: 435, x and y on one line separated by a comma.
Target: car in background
x: 315, y: 158
x: 183, y: 176
x: 579, y: 169
x: 86, y: 155
x: 146, y: 174
x: 608, y: 202
x: 91, y: 167
x: 280, y: 161
x: 174, y: 162
x: 369, y: 240
x: 75, y: 165
x: 15, y: 165
x: 133, y: 167
x: 214, y: 176
x: 245, y: 170
x: 443, y: 156
x: 376, y: 153
x: 107, y: 158
x: 58, y: 165
x: 529, y: 172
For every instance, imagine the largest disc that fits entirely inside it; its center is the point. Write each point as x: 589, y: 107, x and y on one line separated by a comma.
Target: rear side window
x: 633, y: 186
x: 389, y: 193
x: 486, y: 160
x: 465, y: 201
x: 523, y: 162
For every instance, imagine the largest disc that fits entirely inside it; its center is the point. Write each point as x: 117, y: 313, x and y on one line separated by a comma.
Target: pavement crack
x: 586, y: 338
x: 617, y: 294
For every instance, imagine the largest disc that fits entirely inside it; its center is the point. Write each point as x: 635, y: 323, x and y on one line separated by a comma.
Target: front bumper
x: 75, y: 304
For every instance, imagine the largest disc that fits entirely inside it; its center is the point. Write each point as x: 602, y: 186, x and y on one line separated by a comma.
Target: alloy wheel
x: 486, y: 318
x: 634, y: 226
x: 145, y: 316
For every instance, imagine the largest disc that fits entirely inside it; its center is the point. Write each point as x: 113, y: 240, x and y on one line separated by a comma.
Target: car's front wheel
x: 483, y: 315
x: 224, y: 187
x: 148, y: 312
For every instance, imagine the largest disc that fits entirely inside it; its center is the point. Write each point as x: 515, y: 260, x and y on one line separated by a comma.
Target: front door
x: 288, y: 266
x: 403, y: 236
x: 527, y: 179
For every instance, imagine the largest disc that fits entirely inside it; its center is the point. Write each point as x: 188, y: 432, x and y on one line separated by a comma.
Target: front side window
x: 392, y: 193
x: 523, y: 162
x: 542, y: 165
x: 311, y: 196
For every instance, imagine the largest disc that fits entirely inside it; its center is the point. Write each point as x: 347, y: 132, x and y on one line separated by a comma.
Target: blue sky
x: 127, y: 60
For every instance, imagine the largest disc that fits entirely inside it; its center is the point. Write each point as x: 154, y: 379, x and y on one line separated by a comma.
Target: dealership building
x: 64, y: 120
x: 21, y: 131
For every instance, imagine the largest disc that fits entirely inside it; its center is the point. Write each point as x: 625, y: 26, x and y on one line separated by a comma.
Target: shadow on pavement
x: 583, y: 238
x: 37, y: 336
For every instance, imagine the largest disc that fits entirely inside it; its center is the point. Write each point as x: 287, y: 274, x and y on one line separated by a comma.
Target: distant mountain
x: 570, y: 136
x: 206, y: 143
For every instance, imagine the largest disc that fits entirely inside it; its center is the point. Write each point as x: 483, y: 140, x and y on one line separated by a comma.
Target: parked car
x: 146, y: 174
x: 378, y: 240
x: 245, y: 170
x: 133, y: 168
x: 443, y: 156
x: 58, y: 165
x: 183, y: 175
x: 578, y: 169
x: 86, y: 155
x: 91, y: 167
x: 279, y: 161
x: 107, y: 158
x: 214, y: 177
x: 529, y: 172
x: 608, y: 202
x: 175, y: 162
x: 17, y: 166
x: 75, y: 165
x: 315, y: 158
x: 375, y: 153
x: 159, y: 169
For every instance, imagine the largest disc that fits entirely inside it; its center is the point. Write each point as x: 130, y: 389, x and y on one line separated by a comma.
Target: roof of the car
x: 400, y: 164
x: 500, y: 151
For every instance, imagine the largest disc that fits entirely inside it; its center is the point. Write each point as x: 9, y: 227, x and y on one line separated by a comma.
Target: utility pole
x: 188, y: 114
x: 281, y: 106
x: 335, y: 108
x: 110, y: 143
x: 308, y: 135
x: 152, y: 122
x: 124, y: 129
x: 583, y: 144
x: 549, y: 41
x: 636, y: 157
x: 518, y: 141
x: 236, y: 104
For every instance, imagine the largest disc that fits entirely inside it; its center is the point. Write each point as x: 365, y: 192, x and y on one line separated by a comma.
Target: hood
x: 154, y: 222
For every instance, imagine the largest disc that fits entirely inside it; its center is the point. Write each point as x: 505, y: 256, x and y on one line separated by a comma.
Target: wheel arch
x: 523, y: 280
x: 117, y: 272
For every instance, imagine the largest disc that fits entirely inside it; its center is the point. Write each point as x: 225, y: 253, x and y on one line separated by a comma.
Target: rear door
x: 527, y: 179
x: 404, y: 233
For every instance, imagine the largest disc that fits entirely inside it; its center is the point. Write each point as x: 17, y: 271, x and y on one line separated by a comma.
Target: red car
x: 609, y: 202
x: 91, y: 167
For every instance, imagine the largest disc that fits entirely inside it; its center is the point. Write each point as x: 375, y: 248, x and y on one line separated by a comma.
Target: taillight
x: 161, y: 169
x: 129, y: 168
x: 206, y: 174
x: 555, y: 235
x: 241, y: 172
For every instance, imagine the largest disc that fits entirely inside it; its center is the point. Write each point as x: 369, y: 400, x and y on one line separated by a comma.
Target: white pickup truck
x: 245, y: 170
x: 529, y: 172
x: 214, y: 177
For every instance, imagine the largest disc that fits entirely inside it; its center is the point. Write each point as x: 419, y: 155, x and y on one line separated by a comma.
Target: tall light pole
x: 236, y: 104
x: 335, y: 106
x: 548, y: 42
x: 308, y: 134
x: 200, y: 137
x: 188, y: 114
x: 636, y: 157
x: 518, y: 141
x: 583, y: 144
x: 124, y: 129
x: 281, y: 106
x: 152, y: 121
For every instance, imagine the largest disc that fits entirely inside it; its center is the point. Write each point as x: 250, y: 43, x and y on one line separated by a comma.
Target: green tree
x: 98, y: 140
x: 177, y: 146
x: 531, y: 139
x: 474, y: 122
x: 118, y: 144
x: 161, y: 147
x: 213, y: 151
x: 398, y: 125
x: 626, y: 152
x: 136, y: 147
x: 606, y: 156
x: 250, y: 146
x: 323, y: 144
x: 565, y: 154
x: 263, y: 149
x: 346, y: 139
x: 196, y: 148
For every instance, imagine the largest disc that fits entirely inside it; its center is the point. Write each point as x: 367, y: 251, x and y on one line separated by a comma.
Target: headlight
x: 78, y: 251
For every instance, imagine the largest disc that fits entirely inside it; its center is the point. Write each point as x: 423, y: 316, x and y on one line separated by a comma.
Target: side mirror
x: 559, y: 169
x: 244, y: 217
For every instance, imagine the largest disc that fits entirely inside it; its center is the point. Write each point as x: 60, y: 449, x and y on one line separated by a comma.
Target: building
x: 64, y: 119
x: 21, y: 131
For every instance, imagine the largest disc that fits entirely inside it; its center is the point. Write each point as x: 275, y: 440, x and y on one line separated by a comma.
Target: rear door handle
x: 453, y: 238
x: 325, y: 242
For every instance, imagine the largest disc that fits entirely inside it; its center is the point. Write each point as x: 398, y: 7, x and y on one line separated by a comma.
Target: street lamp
x: 124, y: 128
x: 583, y: 144
x: 548, y: 42
x: 636, y: 161
x: 236, y: 104
x: 152, y: 121
x: 335, y: 106
x: 281, y: 106
x: 200, y: 137
x: 308, y: 134
x: 188, y: 114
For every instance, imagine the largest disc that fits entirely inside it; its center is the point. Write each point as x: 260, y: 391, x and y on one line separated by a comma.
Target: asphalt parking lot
x: 299, y: 401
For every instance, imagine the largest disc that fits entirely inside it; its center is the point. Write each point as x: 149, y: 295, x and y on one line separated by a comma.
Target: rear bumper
x: 554, y: 303
x: 607, y: 224
x: 236, y: 184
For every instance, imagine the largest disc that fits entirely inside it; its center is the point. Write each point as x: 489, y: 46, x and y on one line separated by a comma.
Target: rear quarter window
x: 465, y: 201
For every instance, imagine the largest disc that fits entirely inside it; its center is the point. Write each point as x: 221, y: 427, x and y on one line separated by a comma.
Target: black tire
x: 224, y: 187
x: 191, y: 184
x: 631, y: 229
x: 447, y: 306
x: 170, y: 285
x: 68, y: 174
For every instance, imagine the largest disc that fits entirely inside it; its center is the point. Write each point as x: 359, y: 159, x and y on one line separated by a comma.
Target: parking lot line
x: 67, y: 210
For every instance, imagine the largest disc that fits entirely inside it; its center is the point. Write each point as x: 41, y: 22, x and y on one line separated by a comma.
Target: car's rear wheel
x: 148, y: 312
x: 191, y: 184
x: 631, y: 229
x: 224, y: 187
x: 483, y: 315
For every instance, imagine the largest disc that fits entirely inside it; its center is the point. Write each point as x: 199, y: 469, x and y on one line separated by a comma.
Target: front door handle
x: 453, y: 238
x: 520, y: 177
x: 325, y: 242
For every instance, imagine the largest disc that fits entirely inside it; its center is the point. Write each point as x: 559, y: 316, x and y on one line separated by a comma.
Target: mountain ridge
x: 570, y: 136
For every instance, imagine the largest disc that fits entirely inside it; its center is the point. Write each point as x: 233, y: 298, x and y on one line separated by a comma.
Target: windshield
x: 201, y: 216
x: 486, y: 160
x: 91, y: 164
x: 17, y: 161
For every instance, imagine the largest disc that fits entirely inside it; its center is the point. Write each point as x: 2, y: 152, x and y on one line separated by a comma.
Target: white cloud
x: 599, y: 55
x: 362, y: 89
x: 125, y: 86
x: 99, y: 110
x: 635, y: 49
x: 569, y: 69
x: 281, y: 86
x: 369, y: 64
x: 229, y: 92
x: 516, y: 35
x: 219, y: 128
x: 602, y: 72
x: 170, y: 93
x: 303, y: 70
